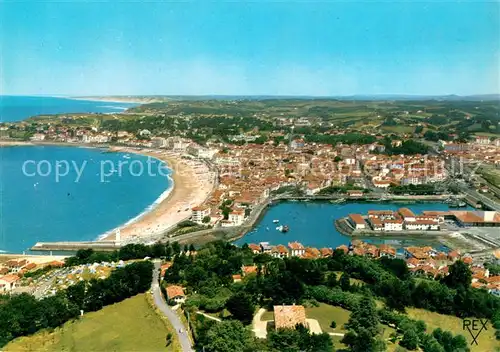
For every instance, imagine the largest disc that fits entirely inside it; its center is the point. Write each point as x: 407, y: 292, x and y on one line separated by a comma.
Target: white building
x: 8, y: 282
x: 158, y: 142
x: 199, y: 213
x: 393, y: 225
x: 236, y: 217
x: 38, y: 137
x: 296, y: 249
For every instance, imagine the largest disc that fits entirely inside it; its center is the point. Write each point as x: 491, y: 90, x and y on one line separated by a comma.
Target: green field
x: 131, y: 325
x: 486, y: 340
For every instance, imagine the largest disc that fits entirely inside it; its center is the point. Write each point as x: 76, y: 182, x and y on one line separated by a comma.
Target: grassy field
x: 131, y: 325
x: 486, y: 340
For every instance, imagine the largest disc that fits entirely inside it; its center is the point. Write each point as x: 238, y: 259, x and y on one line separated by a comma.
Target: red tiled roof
x: 175, y: 291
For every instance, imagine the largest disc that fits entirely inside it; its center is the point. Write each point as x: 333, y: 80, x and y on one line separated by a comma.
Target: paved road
x: 170, y: 314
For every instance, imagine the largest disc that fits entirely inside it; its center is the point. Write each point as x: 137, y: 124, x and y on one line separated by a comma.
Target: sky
x: 313, y: 48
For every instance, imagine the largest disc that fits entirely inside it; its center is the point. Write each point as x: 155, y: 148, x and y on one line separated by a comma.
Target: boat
x: 282, y: 228
x: 126, y: 156
x: 276, y: 221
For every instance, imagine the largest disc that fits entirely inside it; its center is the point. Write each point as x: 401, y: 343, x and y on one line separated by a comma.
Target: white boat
x: 126, y: 156
x: 279, y: 228
x: 276, y: 221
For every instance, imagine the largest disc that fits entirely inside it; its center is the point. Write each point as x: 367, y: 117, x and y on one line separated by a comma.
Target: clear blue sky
x: 278, y: 48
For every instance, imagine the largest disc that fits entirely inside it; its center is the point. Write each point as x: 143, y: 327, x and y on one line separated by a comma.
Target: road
x: 180, y: 329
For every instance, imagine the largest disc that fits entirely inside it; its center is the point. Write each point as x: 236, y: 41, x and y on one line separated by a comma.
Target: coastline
x: 171, y: 207
x: 115, y: 100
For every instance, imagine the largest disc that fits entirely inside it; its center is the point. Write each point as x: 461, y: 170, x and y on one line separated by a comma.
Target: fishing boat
x: 276, y: 221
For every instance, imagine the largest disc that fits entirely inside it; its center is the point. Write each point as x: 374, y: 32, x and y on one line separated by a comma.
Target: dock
x: 74, y: 246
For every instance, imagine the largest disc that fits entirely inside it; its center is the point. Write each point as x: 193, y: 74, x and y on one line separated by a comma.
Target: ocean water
x: 38, y: 205
x: 16, y: 108
x: 312, y: 224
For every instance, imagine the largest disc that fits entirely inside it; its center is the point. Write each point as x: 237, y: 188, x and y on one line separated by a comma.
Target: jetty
x: 75, y: 246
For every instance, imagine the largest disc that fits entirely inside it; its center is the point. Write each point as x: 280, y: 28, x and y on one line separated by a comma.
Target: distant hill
x: 163, y: 98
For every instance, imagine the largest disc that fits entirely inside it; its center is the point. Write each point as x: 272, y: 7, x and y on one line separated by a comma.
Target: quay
x: 74, y: 246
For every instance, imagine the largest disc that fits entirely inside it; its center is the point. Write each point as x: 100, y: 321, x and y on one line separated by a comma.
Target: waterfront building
x: 407, y: 214
x: 199, y: 213
x: 265, y: 247
x: 254, y: 247
x: 393, y: 225
x: 158, y: 142
x: 357, y: 221
x: 296, y: 249
x: 279, y: 251
x: 236, y: 217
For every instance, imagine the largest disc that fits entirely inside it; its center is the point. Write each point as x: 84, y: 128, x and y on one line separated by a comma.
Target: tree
x: 241, y: 306
x: 365, y: 317
x: 345, y: 282
x: 228, y: 336
x: 459, y: 275
x: 410, y: 339
x: 333, y: 324
x: 206, y: 219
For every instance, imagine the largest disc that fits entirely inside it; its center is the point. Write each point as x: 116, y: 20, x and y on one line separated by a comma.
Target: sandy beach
x: 193, y: 183
x: 8, y: 143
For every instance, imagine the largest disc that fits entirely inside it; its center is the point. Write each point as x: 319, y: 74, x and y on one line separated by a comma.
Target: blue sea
x: 16, y: 108
x: 312, y: 224
x: 41, y: 204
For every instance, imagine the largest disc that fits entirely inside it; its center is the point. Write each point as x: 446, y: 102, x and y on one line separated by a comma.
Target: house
x: 387, y: 251
x: 249, y: 269
x: 199, y: 213
x: 38, y: 137
x: 254, y: 247
x: 164, y: 268
x: 357, y: 221
x: 237, y: 217
x: 176, y: 293
x: 237, y: 278
x: 265, y: 247
x: 326, y: 252
x: 288, y: 317
x: 343, y: 248
x: 279, y: 251
x: 8, y: 282
x: 296, y: 249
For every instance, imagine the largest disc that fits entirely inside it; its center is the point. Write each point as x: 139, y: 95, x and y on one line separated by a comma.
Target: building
x: 393, y: 225
x: 355, y: 193
x: 279, y: 251
x: 288, y: 317
x: 236, y: 217
x: 38, y: 137
x: 407, y: 214
x: 376, y: 224
x: 158, y: 142
x: 254, y: 247
x: 199, y: 213
x: 8, y: 282
x: 484, y: 140
x: 357, y: 221
x: 296, y: 249
x: 176, y: 293
x: 265, y: 247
